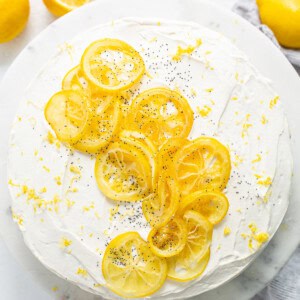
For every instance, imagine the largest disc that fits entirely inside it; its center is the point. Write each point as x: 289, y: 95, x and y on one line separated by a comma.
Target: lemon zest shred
x: 188, y: 50
x: 265, y: 182
x: 75, y: 169
x: 193, y: 92
x: 147, y: 73
x: 113, y: 211
x: 64, y: 242
x: 58, y: 180
x: 273, y: 102
x: 82, y: 272
x: 53, y: 140
x: 261, y: 237
x: 46, y: 169
x: 227, y: 231
x: 10, y: 182
x: 43, y: 190
x: 69, y: 203
x: 257, y: 159
x: 238, y: 160
x: 205, y: 111
x: 264, y: 120
x: 154, y: 39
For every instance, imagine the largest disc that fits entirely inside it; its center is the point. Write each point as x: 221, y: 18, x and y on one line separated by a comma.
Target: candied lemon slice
x: 161, y: 113
x: 123, y: 173
x: 203, y: 164
x: 212, y: 205
x: 139, y: 140
x: 67, y: 114
x: 74, y: 80
x: 130, y: 269
x: 138, y: 137
x: 161, y: 205
x: 102, y: 128
x: 181, y: 272
x: 112, y: 65
x: 192, y: 260
x: 166, y: 154
x: 168, y: 240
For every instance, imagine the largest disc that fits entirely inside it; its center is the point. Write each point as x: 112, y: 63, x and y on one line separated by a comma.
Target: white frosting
x: 217, y: 75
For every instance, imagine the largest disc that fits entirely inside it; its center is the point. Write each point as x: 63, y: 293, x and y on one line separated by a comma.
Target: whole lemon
x: 61, y: 7
x: 13, y: 18
x: 283, y: 17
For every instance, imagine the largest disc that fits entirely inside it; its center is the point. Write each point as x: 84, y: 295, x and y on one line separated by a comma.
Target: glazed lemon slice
x: 74, y: 80
x: 168, y: 240
x: 166, y: 154
x: 161, y: 205
x: 123, y: 173
x: 137, y: 136
x: 180, y: 271
x: 130, y: 269
x: 67, y: 114
x: 140, y: 141
x: 192, y: 260
x: 102, y: 128
x: 61, y: 7
x: 96, y: 100
x: 211, y: 205
x: 203, y: 164
x: 112, y: 65
x: 161, y: 113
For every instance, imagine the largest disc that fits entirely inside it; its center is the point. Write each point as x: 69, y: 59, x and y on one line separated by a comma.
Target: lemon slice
x: 212, y: 205
x: 166, y: 154
x: 192, y: 260
x: 123, y: 173
x: 203, y: 164
x: 67, y: 114
x: 160, y: 206
x: 130, y: 269
x: 74, y: 80
x: 61, y: 7
x: 161, y: 113
x: 112, y: 65
x: 180, y: 271
x: 168, y: 240
x: 102, y: 128
x: 140, y: 141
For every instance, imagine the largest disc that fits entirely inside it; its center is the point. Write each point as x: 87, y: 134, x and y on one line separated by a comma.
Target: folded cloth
x: 248, y: 9
x: 286, y: 285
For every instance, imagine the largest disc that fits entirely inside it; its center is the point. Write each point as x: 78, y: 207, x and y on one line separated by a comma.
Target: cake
x: 73, y: 220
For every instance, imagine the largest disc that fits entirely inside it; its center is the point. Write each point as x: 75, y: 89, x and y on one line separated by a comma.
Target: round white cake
x: 65, y: 219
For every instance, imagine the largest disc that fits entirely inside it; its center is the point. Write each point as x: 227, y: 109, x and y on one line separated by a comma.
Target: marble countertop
x: 14, y: 280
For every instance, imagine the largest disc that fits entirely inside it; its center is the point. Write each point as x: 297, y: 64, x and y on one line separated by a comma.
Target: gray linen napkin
x: 286, y: 285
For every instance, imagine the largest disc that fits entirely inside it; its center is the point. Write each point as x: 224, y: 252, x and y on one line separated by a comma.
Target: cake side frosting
x: 65, y: 219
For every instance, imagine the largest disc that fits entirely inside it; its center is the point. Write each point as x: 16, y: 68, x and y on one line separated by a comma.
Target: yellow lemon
x: 61, y: 7
x: 283, y: 17
x: 13, y: 18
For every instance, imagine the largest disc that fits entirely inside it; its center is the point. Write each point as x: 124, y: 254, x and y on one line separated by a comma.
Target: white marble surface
x: 33, y: 281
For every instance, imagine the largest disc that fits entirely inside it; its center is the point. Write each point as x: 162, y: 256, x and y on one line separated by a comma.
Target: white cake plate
x: 262, y: 53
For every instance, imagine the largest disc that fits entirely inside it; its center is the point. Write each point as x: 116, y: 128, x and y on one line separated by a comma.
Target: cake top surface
x: 231, y: 102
